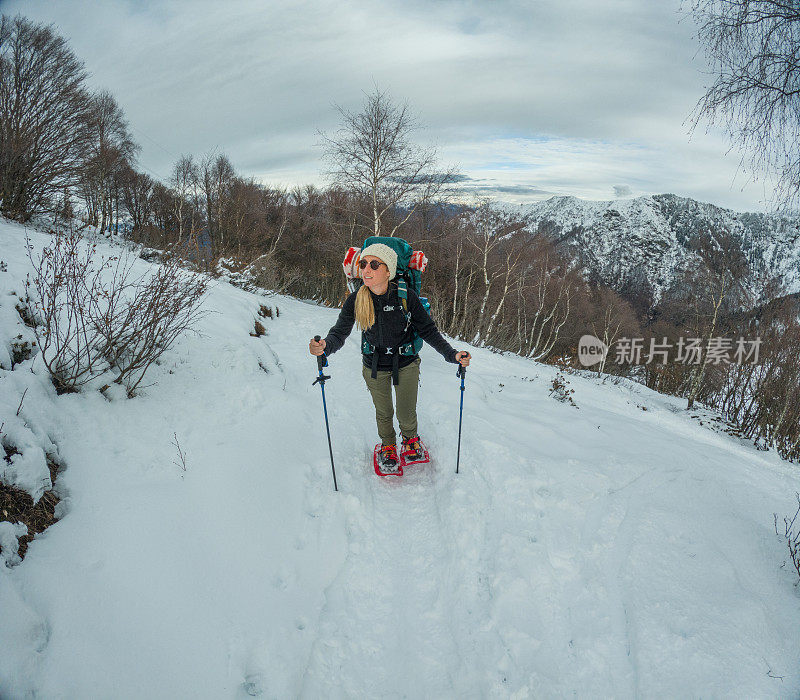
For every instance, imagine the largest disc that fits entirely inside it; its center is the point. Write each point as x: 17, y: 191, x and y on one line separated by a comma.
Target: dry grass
x: 259, y: 330
x: 17, y: 506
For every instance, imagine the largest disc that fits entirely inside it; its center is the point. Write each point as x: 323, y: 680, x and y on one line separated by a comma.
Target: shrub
x: 560, y: 392
x: 792, y: 535
x: 92, y: 316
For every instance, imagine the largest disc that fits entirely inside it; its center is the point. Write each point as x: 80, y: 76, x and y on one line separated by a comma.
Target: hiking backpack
x: 410, y: 265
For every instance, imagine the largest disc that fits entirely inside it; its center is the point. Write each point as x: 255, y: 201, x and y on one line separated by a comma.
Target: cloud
x: 562, y: 89
x: 458, y: 177
x: 515, y: 189
x: 622, y: 191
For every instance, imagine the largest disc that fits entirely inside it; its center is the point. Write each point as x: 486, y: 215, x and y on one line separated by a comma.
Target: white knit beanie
x: 385, y: 253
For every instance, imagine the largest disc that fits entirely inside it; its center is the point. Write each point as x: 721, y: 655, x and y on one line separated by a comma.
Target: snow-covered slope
x: 644, y: 238
x: 617, y: 549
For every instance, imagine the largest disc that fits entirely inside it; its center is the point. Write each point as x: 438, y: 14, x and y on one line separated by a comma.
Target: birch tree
x: 549, y: 292
x: 613, y: 318
x: 491, y: 228
x: 215, y: 176
x: 753, y: 51
x: 373, y: 154
x: 716, y: 281
x: 184, y: 181
x: 512, y: 264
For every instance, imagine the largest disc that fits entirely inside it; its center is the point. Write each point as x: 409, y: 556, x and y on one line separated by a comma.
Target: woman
x: 378, y: 311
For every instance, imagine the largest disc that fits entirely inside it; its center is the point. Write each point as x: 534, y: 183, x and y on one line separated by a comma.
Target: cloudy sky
x: 529, y: 98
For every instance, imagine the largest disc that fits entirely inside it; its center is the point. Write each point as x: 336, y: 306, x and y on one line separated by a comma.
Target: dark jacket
x: 391, y: 329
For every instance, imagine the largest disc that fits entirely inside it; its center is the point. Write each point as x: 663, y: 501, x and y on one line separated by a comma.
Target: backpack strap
x: 374, y: 373
x: 402, y: 292
x: 402, y: 288
x: 411, y: 348
x: 395, y: 370
x: 368, y: 348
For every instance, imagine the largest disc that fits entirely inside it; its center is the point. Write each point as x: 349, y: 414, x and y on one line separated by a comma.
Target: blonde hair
x: 365, y: 310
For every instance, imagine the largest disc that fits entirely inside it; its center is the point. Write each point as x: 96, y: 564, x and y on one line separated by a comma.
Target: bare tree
x: 43, y: 116
x: 163, y: 203
x: 372, y: 154
x: 613, y: 318
x: 110, y: 150
x: 184, y: 182
x: 491, y: 227
x: 271, y: 220
x: 137, y: 192
x: 215, y: 176
x: 753, y: 48
x: 715, y: 283
x: 548, y: 299
x: 510, y: 274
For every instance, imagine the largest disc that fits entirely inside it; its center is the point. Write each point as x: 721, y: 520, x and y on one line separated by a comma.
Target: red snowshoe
x: 386, y: 461
x: 412, y: 451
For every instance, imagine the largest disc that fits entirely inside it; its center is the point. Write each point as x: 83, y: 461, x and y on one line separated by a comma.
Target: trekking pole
x: 322, y: 361
x: 460, y: 372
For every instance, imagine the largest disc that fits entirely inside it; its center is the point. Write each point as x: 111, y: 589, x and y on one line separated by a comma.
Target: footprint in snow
x: 254, y: 684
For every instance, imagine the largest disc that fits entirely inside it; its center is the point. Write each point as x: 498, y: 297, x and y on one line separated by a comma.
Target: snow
x: 614, y: 549
x: 645, y: 237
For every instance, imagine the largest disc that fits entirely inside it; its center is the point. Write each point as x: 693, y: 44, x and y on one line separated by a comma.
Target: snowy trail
x: 617, y: 549
x: 387, y: 614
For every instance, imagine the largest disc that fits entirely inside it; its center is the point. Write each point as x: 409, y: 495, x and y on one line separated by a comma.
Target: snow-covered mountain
x: 644, y: 238
x: 620, y: 548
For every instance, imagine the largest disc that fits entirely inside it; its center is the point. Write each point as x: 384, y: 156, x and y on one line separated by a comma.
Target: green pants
x: 406, y: 393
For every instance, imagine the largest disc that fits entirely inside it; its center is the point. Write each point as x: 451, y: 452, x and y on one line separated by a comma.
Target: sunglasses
x: 374, y: 264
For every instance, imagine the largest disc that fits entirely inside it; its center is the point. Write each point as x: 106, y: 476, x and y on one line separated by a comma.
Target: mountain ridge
x: 644, y: 240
